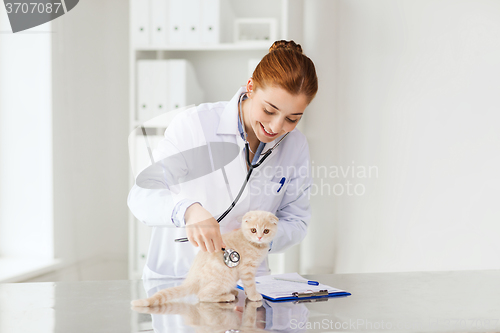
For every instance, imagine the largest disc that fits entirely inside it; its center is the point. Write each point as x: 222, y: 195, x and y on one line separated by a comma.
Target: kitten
x: 212, y: 317
x: 211, y: 279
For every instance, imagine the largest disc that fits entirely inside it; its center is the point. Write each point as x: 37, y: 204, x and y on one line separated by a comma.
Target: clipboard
x: 278, y: 291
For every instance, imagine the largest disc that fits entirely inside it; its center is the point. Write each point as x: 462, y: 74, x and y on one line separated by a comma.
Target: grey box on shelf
x: 250, y: 30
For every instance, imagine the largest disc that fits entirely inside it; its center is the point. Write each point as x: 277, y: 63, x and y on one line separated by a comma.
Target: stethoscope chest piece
x: 231, y: 258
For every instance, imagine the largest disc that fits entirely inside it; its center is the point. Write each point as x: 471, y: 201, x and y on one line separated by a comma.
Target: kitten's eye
x: 266, y: 231
x: 253, y: 230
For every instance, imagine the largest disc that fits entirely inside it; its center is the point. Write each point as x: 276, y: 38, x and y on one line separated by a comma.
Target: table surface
x: 460, y: 301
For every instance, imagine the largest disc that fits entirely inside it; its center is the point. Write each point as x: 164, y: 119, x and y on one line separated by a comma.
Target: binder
x: 177, y: 83
x: 165, y: 85
x: 176, y: 23
x: 159, y: 22
x: 195, y: 22
x: 183, y: 85
x: 139, y: 11
x: 161, y: 88
x: 152, y: 88
x: 192, y: 18
x: 144, y: 90
x: 210, y: 22
x: 277, y: 290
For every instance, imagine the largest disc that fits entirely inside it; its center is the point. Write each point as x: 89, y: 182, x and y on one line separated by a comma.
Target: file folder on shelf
x: 165, y: 85
x: 176, y: 23
x: 278, y: 290
x: 152, y: 88
x: 192, y: 21
x: 210, y: 21
x: 159, y: 22
x: 140, y: 22
x: 217, y: 18
x: 145, y: 85
x: 184, y: 89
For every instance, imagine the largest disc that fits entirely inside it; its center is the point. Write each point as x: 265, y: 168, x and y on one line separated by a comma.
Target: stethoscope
x: 232, y: 257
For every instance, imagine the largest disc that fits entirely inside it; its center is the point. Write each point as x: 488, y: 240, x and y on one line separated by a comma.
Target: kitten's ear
x: 274, y: 219
x: 247, y: 217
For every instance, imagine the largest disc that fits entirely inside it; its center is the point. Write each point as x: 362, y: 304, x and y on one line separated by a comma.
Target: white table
x: 463, y: 301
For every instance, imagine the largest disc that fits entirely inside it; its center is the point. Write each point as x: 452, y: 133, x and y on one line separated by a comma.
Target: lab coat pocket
x: 272, y: 192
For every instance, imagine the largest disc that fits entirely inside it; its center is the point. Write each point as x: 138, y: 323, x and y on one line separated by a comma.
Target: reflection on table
x: 242, y: 315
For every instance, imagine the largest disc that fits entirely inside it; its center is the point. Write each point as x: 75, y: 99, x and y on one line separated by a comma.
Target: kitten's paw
x: 252, y: 304
x: 255, y: 297
x: 159, y: 309
x: 228, y: 298
x: 140, y: 302
x: 235, y: 292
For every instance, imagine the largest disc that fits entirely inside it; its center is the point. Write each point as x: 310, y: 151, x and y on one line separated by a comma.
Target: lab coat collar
x: 229, y: 118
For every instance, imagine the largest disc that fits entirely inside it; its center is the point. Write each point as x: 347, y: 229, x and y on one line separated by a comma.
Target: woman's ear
x: 250, y: 87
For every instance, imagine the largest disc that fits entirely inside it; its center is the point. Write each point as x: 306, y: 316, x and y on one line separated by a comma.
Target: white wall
x: 25, y: 143
x: 90, y: 121
x: 412, y: 89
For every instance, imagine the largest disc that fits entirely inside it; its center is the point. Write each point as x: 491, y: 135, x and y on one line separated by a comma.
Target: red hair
x: 285, y: 66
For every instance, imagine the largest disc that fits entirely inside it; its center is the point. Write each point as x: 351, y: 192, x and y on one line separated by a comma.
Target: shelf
x: 215, y: 47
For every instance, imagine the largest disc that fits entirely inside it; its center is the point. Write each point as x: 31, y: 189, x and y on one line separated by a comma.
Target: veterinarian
x: 261, y: 113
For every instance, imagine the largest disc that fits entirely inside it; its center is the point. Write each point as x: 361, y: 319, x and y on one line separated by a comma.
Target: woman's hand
x: 202, y: 229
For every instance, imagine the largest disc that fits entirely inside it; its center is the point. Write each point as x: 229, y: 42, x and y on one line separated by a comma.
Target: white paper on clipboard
x: 268, y: 286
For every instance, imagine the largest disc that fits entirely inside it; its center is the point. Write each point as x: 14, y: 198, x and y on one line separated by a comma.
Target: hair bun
x: 283, y: 44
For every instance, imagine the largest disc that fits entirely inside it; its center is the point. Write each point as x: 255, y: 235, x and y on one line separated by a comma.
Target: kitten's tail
x: 165, y: 295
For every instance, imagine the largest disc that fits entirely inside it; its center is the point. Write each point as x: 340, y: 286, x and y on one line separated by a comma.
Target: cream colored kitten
x: 212, y: 317
x: 211, y: 279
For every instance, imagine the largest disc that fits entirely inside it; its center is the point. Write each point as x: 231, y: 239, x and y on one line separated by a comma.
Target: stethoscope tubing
x: 249, y: 173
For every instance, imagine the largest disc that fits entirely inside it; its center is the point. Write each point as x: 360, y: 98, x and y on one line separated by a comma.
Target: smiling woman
x: 281, y: 87
x: 259, y: 116
x: 264, y: 121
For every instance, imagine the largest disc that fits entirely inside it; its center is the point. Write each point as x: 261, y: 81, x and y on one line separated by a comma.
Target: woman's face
x: 272, y: 112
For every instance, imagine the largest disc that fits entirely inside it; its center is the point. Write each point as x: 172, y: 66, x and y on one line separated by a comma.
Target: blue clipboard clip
x: 311, y: 294
x: 311, y: 300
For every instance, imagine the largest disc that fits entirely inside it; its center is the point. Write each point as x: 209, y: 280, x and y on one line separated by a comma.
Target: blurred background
x: 403, y: 132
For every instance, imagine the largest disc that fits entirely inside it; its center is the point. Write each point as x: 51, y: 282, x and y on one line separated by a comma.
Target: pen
x: 312, y: 283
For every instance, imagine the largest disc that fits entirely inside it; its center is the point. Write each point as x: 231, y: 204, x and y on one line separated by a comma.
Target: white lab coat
x: 218, y: 122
